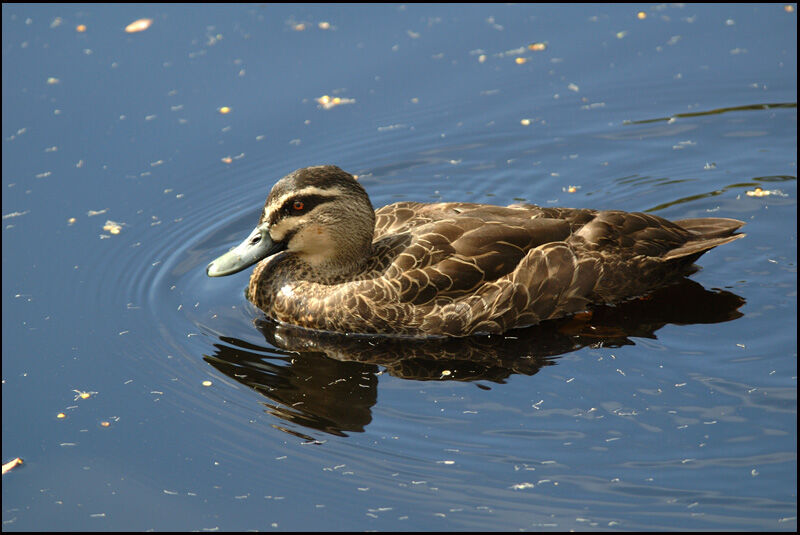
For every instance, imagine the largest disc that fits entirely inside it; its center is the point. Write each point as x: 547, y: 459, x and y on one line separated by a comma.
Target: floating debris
x: 138, y: 25
x: 513, y: 52
x: 758, y: 192
x: 224, y: 109
x: 525, y: 122
x: 641, y: 15
x: 683, y: 144
x: 80, y: 28
x: 520, y: 61
x: 325, y: 102
x: 15, y: 214
x: 537, y: 47
x: 207, y: 383
x: 11, y: 464
x: 82, y: 395
x: 52, y: 80
x: 112, y: 227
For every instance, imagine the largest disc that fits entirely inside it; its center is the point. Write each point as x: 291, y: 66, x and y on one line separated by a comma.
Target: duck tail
x: 711, y: 227
x: 709, y: 232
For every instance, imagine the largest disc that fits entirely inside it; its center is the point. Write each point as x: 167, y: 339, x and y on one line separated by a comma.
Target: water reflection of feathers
x: 329, y: 381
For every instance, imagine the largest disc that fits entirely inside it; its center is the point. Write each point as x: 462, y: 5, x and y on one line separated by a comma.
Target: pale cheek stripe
x: 279, y: 230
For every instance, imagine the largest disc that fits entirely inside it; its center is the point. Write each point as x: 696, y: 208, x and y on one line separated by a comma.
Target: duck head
x: 321, y: 215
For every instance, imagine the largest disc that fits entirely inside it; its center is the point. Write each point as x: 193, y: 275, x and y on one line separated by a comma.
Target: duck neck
x: 344, y: 262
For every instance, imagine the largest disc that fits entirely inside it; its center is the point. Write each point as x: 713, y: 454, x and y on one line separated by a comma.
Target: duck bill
x: 257, y: 246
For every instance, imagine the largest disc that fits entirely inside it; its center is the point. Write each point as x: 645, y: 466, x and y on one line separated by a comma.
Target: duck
x: 326, y: 260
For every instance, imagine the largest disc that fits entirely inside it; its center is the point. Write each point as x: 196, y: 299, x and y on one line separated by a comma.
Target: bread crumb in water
x: 138, y: 25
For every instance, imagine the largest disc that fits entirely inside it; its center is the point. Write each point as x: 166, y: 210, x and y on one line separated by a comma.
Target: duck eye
x: 298, y: 205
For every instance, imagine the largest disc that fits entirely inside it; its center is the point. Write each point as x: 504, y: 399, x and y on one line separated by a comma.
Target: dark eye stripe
x: 290, y: 206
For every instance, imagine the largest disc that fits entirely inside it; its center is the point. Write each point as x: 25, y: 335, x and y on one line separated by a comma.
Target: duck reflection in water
x: 329, y: 381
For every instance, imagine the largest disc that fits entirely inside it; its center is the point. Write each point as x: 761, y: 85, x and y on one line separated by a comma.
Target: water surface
x: 122, y: 179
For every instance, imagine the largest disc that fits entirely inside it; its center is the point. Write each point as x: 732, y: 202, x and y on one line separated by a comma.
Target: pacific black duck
x: 328, y: 261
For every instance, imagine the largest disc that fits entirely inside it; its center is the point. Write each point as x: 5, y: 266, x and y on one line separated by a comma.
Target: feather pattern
x: 456, y: 269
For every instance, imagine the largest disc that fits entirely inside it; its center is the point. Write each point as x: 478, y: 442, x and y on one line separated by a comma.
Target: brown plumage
x: 332, y: 263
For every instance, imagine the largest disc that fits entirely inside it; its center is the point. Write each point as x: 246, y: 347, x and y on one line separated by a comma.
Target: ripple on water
x: 418, y: 443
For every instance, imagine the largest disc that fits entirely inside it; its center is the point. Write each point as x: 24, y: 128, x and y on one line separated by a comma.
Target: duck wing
x: 464, y: 268
x: 626, y: 234
x: 451, y: 249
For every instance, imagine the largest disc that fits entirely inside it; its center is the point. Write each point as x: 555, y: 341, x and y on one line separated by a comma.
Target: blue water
x: 678, y: 413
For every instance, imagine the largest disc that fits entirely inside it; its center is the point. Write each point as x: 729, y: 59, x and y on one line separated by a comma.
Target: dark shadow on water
x: 718, y: 111
x: 329, y: 382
